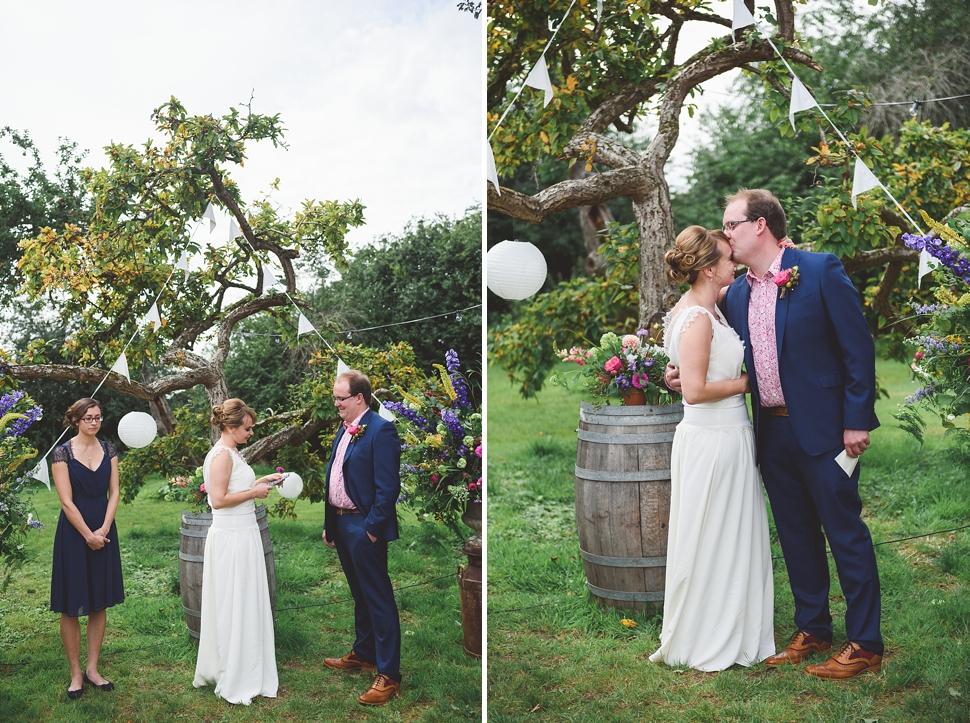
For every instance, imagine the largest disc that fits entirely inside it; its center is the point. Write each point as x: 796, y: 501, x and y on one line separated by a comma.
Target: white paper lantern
x: 515, y: 269
x: 292, y: 486
x: 137, y: 429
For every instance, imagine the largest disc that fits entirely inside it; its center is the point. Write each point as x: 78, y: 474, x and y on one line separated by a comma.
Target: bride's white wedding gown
x: 236, y: 639
x: 719, y: 593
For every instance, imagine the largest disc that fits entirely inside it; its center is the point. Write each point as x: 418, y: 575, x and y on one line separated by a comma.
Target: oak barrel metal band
x: 199, y: 558
x: 642, y: 475
x: 626, y: 596
x: 623, y: 561
x: 610, y: 421
x: 193, y: 613
x: 625, y: 438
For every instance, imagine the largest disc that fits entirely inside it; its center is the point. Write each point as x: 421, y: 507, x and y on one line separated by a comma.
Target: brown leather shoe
x: 851, y: 660
x: 800, y: 647
x: 349, y: 662
x: 382, y: 690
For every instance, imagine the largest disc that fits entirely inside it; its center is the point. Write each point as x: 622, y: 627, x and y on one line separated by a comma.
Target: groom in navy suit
x: 811, y: 364
x: 363, y: 485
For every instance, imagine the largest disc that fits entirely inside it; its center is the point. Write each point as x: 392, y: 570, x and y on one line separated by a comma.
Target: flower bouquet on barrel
x: 631, y: 367
x: 442, y: 458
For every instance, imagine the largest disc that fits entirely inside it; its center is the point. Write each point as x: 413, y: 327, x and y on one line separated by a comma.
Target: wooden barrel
x: 195, y: 527
x: 623, y: 500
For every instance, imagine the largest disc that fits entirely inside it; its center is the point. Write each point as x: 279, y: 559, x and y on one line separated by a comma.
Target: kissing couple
x: 795, y: 322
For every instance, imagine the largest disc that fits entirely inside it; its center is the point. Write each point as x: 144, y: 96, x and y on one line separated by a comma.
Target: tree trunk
x: 216, y: 392
x: 656, y: 223
x: 593, y: 220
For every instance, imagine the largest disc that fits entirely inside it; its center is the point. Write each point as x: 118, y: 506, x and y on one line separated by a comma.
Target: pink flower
x: 640, y: 381
x: 202, y: 488
x: 478, y: 450
x: 471, y: 486
x: 918, y: 355
x: 352, y: 429
x: 434, y: 478
x: 279, y: 469
x: 781, y: 278
x: 613, y: 366
x: 630, y: 341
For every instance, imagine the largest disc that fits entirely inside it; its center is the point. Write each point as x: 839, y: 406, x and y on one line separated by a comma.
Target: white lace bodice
x: 242, y: 478
x: 727, y: 349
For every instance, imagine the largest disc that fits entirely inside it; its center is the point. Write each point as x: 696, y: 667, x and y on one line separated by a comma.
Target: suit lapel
x: 353, y: 442
x: 781, y: 305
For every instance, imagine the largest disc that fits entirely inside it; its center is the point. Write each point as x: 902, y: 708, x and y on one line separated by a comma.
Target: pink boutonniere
x: 786, y: 279
x: 356, y: 431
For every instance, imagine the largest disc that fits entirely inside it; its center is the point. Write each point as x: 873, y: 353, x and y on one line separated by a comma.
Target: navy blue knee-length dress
x: 85, y: 580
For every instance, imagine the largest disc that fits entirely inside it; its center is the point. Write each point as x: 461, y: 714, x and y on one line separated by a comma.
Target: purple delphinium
x: 451, y: 361
x: 36, y: 524
x: 20, y: 425
x: 921, y: 394
x: 8, y: 400
x: 947, y: 255
x: 409, y: 414
x: 928, y: 309
x: 451, y: 422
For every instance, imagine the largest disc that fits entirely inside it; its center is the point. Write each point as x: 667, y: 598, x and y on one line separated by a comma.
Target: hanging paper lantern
x: 515, y: 269
x: 292, y: 486
x: 137, y: 429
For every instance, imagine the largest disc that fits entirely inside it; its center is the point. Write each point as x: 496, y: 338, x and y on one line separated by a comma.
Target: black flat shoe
x: 75, y: 694
x: 104, y: 686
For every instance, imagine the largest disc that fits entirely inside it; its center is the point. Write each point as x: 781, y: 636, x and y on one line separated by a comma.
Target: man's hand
x: 672, y: 378
x: 372, y: 538
x: 326, y: 541
x: 856, y: 441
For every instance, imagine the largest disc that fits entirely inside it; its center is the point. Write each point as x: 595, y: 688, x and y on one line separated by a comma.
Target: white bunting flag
x: 269, y: 278
x: 341, y: 367
x: 304, y: 326
x: 539, y: 79
x: 492, y: 173
x: 234, y: 231
x: 926, y: 264
x: 862, y: 180
x: 801, y: 99
x: 121, y: 366
x: 183, y: 264
x: 387, y: 414
x: 40, y: 473
x: 124, y: 217
x: 152, y: 316
x: 210, y: 213
x: 742, y: 17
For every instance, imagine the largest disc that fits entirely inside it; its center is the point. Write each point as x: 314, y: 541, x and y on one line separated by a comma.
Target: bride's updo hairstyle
x: 695, y: 249
x: 231, y: 413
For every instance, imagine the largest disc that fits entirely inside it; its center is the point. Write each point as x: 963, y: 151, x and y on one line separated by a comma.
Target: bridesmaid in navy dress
x: 86, y: 575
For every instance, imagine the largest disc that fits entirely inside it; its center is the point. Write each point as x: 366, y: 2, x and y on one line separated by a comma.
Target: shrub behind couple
x: 810, y: 364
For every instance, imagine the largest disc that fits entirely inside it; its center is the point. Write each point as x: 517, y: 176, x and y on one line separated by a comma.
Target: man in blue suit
x: 811, y: 364
x: 363, y: 485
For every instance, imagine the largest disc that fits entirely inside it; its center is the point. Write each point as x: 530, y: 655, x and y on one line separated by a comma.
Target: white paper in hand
x: 846, y: 462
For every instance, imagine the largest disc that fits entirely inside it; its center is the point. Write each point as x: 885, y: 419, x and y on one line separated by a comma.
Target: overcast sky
x: 381, y: 99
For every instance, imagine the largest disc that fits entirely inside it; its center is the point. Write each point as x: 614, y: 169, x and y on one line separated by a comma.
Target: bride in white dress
x: 719, y: 592
x: 237, y: 649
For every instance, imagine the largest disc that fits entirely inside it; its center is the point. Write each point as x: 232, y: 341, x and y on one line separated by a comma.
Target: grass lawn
x: 150, y: 657
x: 553, y: 655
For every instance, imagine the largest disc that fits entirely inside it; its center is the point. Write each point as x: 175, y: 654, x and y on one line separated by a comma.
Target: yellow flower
x: 629, y: 623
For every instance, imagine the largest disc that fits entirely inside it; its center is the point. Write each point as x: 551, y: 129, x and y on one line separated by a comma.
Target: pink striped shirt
x: 761, y: 327
x: 337, y: 490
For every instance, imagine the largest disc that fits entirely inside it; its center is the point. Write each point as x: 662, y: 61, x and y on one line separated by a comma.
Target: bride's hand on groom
x: 746, y: 384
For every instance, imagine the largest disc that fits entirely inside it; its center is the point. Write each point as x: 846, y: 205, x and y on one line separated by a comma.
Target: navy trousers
x: 376, y: 621
x: 813, y: 499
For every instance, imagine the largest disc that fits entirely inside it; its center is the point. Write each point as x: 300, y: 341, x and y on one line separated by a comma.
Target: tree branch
x: 592, y: 190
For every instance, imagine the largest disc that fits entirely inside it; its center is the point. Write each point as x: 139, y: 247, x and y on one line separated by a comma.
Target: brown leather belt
x: 342, y: 511
x: 776, y: 411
